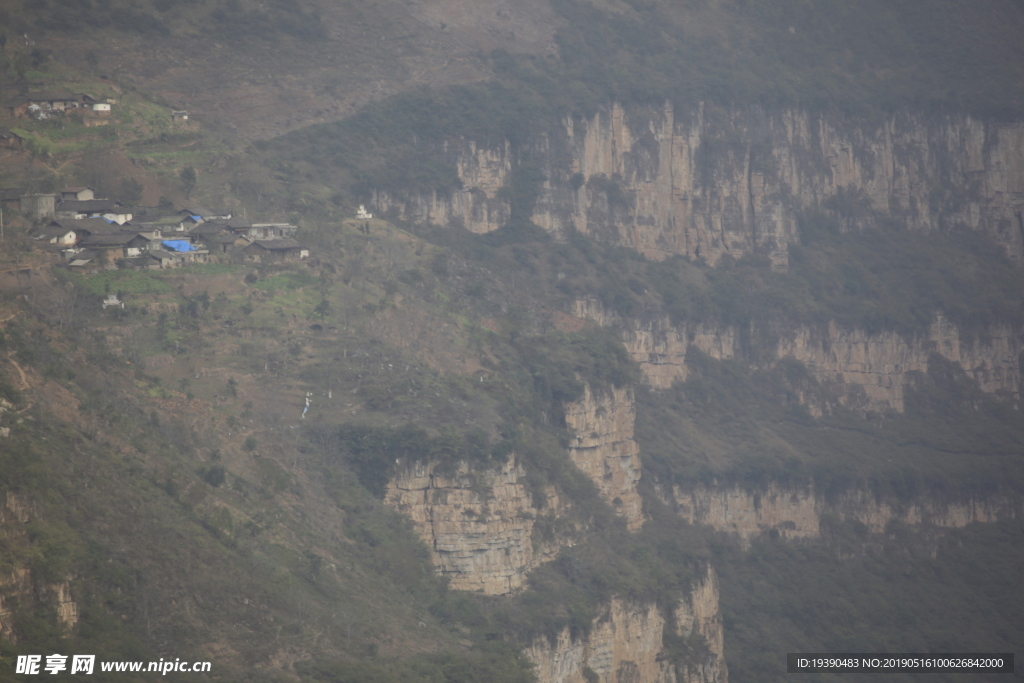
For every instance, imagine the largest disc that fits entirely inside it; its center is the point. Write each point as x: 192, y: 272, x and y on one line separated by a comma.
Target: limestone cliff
x: 625, y: 644
x: 20, y: 589
x: 870, y: 371
x: 711, y: 182
x: 604, y: 449
x: 478, y: 524
x: 797, y: 512
x: 476, y: 206
x: 852, y: 361
x: 658, y: 346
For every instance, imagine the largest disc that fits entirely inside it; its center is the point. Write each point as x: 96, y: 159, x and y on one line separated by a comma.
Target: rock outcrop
x: 17, y: 585
x: 67, y: 608
x: 870, y: 371
x: 625, y: 644
x: 19, y: 589
x: 797, y: 512
x: 479, y: 525
x: 603, y: 447
x: 5, y: 407
x: 477, y: 206
x: 874, y: 368
x: 658, y: 346
x: 710, y: 182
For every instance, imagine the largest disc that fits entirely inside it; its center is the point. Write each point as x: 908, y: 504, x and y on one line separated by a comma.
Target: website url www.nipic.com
x: 87, y: 664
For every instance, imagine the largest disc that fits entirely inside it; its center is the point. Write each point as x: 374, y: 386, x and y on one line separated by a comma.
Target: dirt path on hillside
x: 24, y: 379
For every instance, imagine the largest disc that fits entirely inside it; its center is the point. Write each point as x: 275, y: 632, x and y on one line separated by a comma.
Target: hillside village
x: 93, y: 234
x: 87, y: 232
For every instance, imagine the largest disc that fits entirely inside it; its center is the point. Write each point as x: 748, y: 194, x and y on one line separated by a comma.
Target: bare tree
x: 67, y: 300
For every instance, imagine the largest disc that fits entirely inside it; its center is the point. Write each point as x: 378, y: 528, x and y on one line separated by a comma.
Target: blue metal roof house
x: 179, y: 245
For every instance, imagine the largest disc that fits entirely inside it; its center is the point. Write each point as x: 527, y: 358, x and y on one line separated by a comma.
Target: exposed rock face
x: 658, y: 346
x: 868, y: 370
x: 5, y: 407
x: 478, y: 525
x: 67, y: 609
x: 879, y: 364
x: 625, y: 642
x: 603, y: 447
x: 701, y: 615
x: 797, y: 513
x: 477, y: 207
x: 19, y: 587
x: 12, y: 587
x: 710, y: 182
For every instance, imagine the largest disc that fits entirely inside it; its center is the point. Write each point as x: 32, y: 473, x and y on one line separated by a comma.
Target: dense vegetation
x: 731, y: 424
x: 906, y: 591
x: 853, y: 55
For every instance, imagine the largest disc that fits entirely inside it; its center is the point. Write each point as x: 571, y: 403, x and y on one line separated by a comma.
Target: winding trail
x: 24, y: 380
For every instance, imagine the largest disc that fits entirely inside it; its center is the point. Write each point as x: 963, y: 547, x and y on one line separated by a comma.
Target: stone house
x: 86, y: 226
x: 77, y: 194
x: 84, y: 260
x: 217, y: 237
x: 169, y: 224
x: 275, y: 251
x: 206, y: 214
x: 271, y: 231
x: 16, y: 107
x: 112, y: 248
x: 185, y: 250
x: 39, y: 205
x: 155, y: 259
x: 10, y: 198
x: 9, y: 139
x: 56, y: 234
x: 55, y: 101
x: 111, y: 209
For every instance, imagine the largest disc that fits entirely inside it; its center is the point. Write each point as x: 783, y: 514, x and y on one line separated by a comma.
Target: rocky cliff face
x: 866, y: 370
x: 19, y: 588
x: 660, y: 347
x: 604, y: 449
x: 478, y: 525
x: 797, y: 513
x: 625, y: 644
x: 711, y: 182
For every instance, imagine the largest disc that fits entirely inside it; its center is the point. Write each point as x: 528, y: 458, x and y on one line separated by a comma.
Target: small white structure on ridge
x: 361, y: 213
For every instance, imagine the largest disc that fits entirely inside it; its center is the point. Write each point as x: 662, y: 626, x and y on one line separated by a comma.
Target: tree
x: 322, y: 309
x: 66, y: 301
x: 131, y: 190
x: 188, y: 180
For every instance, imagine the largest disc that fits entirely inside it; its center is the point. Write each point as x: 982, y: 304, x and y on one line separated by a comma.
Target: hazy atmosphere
x: 511, y: 341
